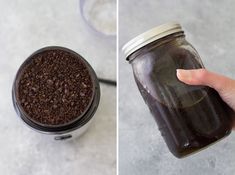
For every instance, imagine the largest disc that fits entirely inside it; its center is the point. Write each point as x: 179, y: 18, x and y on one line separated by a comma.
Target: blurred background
x: 85, y: 27
x: 209, y: 27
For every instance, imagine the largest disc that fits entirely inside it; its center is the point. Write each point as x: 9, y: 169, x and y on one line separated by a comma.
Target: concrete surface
x: 26, y: 26
x: 209, y: 26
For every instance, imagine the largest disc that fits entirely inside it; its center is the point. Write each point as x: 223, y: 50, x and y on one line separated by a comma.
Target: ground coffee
x: 55, y: 87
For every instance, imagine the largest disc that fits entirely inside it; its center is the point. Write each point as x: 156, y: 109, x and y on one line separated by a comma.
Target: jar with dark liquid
x: 189, y: 117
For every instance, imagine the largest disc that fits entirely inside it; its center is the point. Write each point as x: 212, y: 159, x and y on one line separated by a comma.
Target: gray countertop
x: 209, y: 26
x: 26, y: 26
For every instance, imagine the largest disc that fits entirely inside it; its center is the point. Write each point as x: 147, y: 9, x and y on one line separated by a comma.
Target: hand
x: 223, y: 85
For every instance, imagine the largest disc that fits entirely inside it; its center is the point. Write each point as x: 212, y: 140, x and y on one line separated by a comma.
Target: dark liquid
x: 189, y: 129
x: 189, y: 117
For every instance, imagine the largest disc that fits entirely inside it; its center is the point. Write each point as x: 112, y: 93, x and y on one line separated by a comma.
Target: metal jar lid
x: 150, y: 36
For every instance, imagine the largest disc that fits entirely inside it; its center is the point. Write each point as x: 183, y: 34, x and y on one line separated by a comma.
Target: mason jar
x: 74, y: 128
x: 189, y: 117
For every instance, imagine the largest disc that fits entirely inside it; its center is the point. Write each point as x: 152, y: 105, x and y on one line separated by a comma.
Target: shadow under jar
x: 56, y: 92
x: 189, y: 117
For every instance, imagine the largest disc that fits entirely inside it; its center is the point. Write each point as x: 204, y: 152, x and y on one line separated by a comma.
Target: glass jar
x: 100, y: 16
x: 188, y: 117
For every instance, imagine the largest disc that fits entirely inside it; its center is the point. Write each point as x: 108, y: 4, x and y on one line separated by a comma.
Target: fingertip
x: 178, y: 71
x: 184, y: 75
x: 178, y: 74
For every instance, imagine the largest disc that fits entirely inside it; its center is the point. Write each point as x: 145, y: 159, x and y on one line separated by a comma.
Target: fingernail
x: 185, y: 75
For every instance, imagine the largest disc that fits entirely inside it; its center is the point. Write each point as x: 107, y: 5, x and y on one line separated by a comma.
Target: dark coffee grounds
x: 55, y: 87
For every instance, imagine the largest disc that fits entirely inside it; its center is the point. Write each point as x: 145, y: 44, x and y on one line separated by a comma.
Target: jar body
x: 189, y: 117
